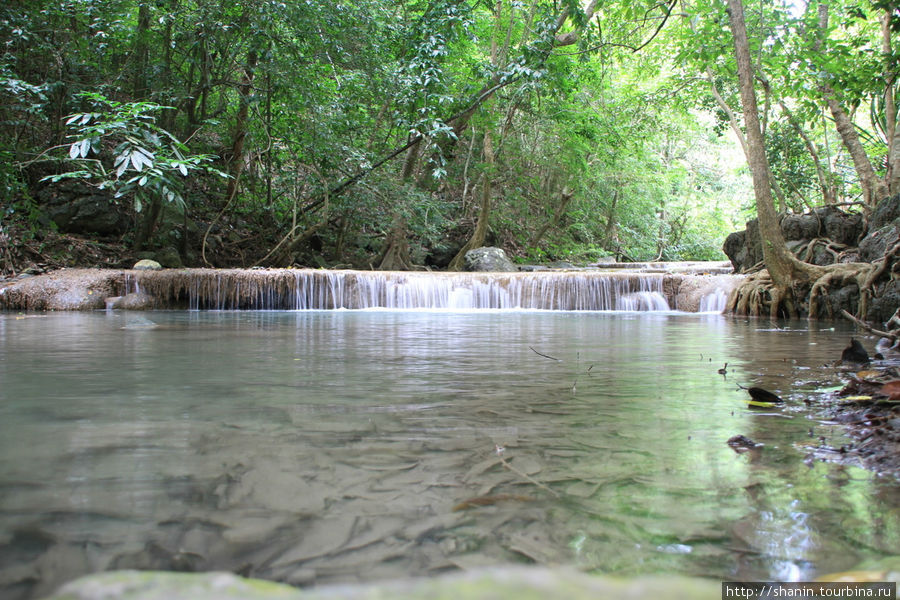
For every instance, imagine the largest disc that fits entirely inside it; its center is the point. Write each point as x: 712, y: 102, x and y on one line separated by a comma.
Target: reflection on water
x: 313, y: 447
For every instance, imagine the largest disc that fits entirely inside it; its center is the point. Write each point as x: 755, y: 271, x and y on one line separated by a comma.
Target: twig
x: 544, y: 355
x: 523, y: 475
x: 869, y: 328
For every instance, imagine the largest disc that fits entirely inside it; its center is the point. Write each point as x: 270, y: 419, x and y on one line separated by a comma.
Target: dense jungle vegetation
x: 396, y: 134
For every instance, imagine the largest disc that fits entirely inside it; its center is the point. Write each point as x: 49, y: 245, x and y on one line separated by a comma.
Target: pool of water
x: 332, y: 446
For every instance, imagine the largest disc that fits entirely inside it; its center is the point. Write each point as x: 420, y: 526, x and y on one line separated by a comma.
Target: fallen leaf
x: 891, y: 389
x: 490, y: 501
x: 868, y: 374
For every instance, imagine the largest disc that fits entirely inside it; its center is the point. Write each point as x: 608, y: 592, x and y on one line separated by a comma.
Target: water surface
x: 330, y: 446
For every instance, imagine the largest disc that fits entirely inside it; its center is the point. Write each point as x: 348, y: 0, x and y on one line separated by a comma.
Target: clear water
x: 325, y: 446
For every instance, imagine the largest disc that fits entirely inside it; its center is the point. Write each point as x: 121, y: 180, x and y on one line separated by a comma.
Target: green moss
x: 525, y: 583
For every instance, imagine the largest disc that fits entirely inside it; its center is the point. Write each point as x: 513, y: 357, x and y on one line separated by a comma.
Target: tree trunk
x: 783, y: 267
x: 891, y: 130
x: 147, y: 223
x: 564, y: 200
x: 245, y: 90
x: 141, y: 51
x: 395, y: 256
x: 828, y: 192
x: 873, y: 188
x: 609, y: 231
x: 478, y: 237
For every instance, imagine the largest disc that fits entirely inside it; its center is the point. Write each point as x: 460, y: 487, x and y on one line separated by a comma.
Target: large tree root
x: 753, y: 296
x: 759, y: 295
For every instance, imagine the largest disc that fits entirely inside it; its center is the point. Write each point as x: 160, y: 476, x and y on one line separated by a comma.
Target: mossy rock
x: 147, y: 264
x: 494, y: 584
x: 159, y: 585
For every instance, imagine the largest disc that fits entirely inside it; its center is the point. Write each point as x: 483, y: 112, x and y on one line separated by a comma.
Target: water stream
x: 331, y: 446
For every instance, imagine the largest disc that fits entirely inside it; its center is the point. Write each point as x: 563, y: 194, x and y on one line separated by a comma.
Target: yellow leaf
x: 857, y: 398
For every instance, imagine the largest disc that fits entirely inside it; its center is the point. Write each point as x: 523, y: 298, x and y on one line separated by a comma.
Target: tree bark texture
x: 873, y: 188
x: 891, y: 130
x: 245, y: 90
x: 481, y: 227
x: 783, y: 267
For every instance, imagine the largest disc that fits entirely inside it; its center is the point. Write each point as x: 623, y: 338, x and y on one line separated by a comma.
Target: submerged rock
x: 132, y: 301
x: 512, y: 583
x: 488, y: 259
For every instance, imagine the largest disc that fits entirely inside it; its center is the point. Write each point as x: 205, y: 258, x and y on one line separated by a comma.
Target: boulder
x: 744, y: 248
x: 800, y: 227
x: 874, y: 245
x: 169, y: 258
x: 147, y: 264
x: 488, y: 259
x: 735, y: 249
x: 886, y: 212
x: 75, y: 207
x: 843, y: 228
x: 885, y: 302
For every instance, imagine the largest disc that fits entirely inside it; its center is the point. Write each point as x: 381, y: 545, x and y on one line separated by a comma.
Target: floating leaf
x: 761, y: 398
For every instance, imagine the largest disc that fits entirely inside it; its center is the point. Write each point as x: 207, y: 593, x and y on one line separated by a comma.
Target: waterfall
x: 307, y: 289
x: 714, y: 302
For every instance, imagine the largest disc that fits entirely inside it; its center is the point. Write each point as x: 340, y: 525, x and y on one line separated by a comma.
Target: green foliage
x: 303, y: 95
x: 146, y: 162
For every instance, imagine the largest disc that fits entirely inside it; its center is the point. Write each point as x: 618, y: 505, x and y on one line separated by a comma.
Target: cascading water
x: 714, y: 302
x: 304, y: 289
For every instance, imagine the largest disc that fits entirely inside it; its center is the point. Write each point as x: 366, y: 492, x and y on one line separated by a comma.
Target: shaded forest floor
x: 52, y: 251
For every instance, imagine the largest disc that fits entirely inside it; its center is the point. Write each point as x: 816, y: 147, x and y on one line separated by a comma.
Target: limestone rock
x: 488, y: 259
x: 66, y: 289
x: 744, y: 248
x: 696, y: 293
x: 886, y: 212
x: 878, y: 242
x: 147, y: 265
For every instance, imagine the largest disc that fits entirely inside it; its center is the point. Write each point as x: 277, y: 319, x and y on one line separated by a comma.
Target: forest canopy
x: 398, y: 134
